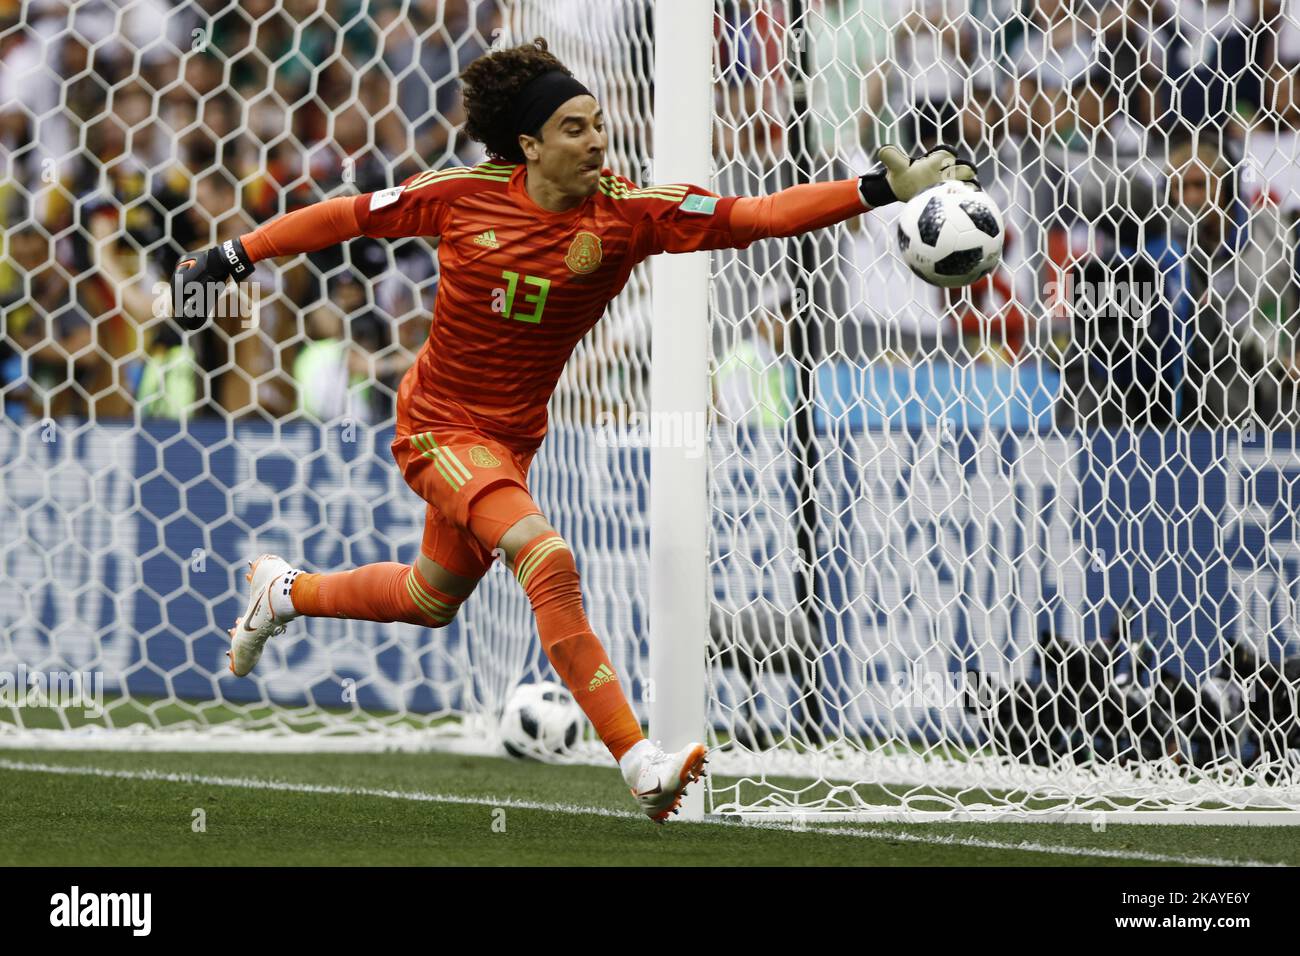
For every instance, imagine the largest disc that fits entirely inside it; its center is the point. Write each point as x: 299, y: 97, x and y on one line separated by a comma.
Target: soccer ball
x: 951, y: 234
x: 540, y: 721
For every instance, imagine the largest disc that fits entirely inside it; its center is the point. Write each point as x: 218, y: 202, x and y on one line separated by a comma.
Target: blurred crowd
x: 1145, y: 154
x: 1148, y: 142
x: 133, y: 132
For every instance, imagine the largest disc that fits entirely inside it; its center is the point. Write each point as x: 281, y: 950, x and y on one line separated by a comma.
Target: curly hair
x: 491, y: 84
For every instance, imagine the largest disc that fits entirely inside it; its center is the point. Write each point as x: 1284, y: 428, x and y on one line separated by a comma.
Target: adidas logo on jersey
x: 488, y: 239
x: 602, y: 677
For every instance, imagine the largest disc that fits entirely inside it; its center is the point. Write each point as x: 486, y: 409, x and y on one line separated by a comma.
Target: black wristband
x: 874, y: 190
x: 233, y: 254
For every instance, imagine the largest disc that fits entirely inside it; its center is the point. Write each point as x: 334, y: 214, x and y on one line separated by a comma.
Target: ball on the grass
x: 540, y: 721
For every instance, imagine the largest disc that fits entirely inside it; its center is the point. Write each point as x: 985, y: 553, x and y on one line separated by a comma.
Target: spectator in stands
x: 1048, y: 62
x: 167, y: 378
x: 328, y: 370
x: 1131, y: 312
x: 936, y: 69
x: 848, y: 55
x: 754, y: 382
x: 1235, y: 68
x: 133, y: 140
x: 48, y: 330
x: 1245, y: 350
x: 345, y: 353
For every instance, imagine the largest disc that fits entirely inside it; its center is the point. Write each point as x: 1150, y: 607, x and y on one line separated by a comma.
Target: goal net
x: 1022, y: 548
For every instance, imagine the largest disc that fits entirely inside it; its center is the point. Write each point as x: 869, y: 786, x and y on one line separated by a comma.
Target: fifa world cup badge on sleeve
x: 701, y: 204
x: 385, y: 197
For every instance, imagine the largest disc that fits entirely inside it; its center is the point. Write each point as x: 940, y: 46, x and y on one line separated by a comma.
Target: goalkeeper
x: 534, y: 245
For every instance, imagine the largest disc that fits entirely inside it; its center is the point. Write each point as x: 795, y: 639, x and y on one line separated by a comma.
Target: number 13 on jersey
x: 503, y: 300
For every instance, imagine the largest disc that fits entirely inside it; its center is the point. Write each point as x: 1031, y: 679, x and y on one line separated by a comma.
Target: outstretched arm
x: 201, y: 276
x: 799, y: 209
x: 313, y: 227
x: 796, y: 210
x: 328, y: 223
x: 406, y: 210
x: 705, y: 221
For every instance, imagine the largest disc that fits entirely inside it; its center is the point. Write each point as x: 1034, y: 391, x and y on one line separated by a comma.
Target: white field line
x: 420, y: 796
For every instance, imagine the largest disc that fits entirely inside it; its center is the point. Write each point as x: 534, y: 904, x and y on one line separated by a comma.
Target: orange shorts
x: 452, y: 470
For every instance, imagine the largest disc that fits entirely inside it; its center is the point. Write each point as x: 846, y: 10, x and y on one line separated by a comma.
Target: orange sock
x: 386, y: 592
x: 545, y: 570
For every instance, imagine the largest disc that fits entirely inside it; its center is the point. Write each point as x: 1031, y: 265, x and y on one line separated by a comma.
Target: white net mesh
x: 1027, y: 545
x: 1045, y: 517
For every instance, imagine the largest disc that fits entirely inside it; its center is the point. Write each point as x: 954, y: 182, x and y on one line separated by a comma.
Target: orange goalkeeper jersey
x: 519, y: 285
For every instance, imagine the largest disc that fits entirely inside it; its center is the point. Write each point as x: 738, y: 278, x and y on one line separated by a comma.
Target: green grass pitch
x: 139, y: 809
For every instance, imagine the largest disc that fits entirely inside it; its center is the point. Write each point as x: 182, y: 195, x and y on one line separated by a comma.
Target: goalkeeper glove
x: 902, y: 178
x: 200, y: 279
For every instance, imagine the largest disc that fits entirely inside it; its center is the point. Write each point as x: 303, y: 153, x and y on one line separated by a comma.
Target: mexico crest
x: 584, y: 253
x: 482, y: 457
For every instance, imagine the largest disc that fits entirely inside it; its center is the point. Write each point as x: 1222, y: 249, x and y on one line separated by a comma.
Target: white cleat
x: 662, y: 778
x: 258, y: 623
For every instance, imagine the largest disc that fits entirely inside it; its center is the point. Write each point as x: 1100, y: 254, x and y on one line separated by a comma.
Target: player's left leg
x: 428, y: 592
x: 507, y: 520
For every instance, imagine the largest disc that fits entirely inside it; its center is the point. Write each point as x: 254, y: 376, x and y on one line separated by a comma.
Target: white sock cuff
x: 281, y: 600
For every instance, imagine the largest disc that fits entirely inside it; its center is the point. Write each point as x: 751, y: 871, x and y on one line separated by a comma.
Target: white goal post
x: 1020, y: 551
x: 679, y: 392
